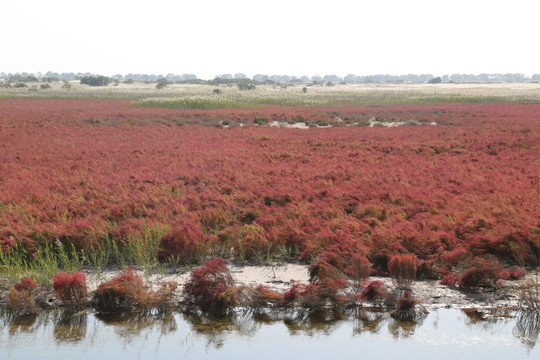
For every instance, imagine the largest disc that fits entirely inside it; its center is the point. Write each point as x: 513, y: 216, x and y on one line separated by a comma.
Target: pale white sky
x: 286, y: 37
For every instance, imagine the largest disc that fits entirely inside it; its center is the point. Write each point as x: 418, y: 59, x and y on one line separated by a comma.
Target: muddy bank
x: 430, y: 293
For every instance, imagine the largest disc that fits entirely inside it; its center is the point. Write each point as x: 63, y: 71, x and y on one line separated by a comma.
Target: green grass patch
x: 369, y: 99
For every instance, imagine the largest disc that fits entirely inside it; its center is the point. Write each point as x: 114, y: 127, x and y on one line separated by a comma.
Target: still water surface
x: 445, y: 333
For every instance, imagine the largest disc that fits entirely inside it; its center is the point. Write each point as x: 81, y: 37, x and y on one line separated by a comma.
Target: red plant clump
x: 406, y: 302
x: 20, y: 296
x: 25, y: 283
x: 372, y: 291
x: 449, y: 279
x: 83, y: 171
x: 211, y: 287
x: 187, y: 243
x: 120, y: 292
x: 402, y: 269
x: 266, y: 295
x: 71, y: 288
x: 293, y: 292
x: 128, y: 290
x: 515, y: 273
x: 482, y: 273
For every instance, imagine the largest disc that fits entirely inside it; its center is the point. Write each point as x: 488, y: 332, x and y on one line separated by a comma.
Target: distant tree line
x: 240, y: 78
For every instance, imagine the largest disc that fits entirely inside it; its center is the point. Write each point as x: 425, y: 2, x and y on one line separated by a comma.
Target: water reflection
x: 527, y: 328
x: 321, y: 322
x: 70, y: 327
x: 130, y: 325
x: 487, y: 319
x: 18, y: 322
x: 402, y: 329
x: 216, y: 329
x: 367, y: 322
x: 190, y: 331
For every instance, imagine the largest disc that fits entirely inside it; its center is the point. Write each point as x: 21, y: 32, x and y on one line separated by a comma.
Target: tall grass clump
x: 41, y: 264
x: 403, y: 270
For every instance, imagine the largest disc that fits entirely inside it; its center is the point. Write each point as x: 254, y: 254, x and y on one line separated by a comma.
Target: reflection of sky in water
x: 448, y: 334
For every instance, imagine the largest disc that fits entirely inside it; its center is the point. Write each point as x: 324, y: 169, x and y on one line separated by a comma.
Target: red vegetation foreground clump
x: 20, y: 296
x: 127, y: 290
x: 211, y: 287
x: 406, y: 309
x: 373, y: 291
x: 71, y: 289
x: 482, y: 273
x: 402, y: 269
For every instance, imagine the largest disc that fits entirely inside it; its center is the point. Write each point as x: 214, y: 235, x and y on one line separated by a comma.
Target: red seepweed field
x: 462, y: 194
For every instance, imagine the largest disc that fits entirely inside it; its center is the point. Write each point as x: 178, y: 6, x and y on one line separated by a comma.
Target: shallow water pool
x: 448, y: 334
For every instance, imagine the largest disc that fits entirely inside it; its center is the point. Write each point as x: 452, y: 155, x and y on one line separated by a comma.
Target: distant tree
x: 66, y: 85
x: 162, y: 83
x: 95, y: 80
x: 260, y: 78
x: 245, y: 86
x: 435, y: 80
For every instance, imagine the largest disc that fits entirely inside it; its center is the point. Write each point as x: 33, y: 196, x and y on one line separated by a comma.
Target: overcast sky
x: 286, y: 37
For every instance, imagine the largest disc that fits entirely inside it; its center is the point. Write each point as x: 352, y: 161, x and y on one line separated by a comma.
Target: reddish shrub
x: 266, y: 295
x: 426, y: 269
x: 71, y: 288
x: 292, y: 294
x: 402, y: 269
x: 321, y: 269
x: 406, y: 302
x: 450, y: 279
x: 372, y: 291
x: 208, y: 286
x: 127, y: 291
x: 359, y: 269
x: 26, y: 283
x: 453, y: 258
x: 119, y: 292
x: 514, y: 273
x: 20, y: 296
x: 482, y: 273
x: 406, y: 309
x: 188, y: 243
